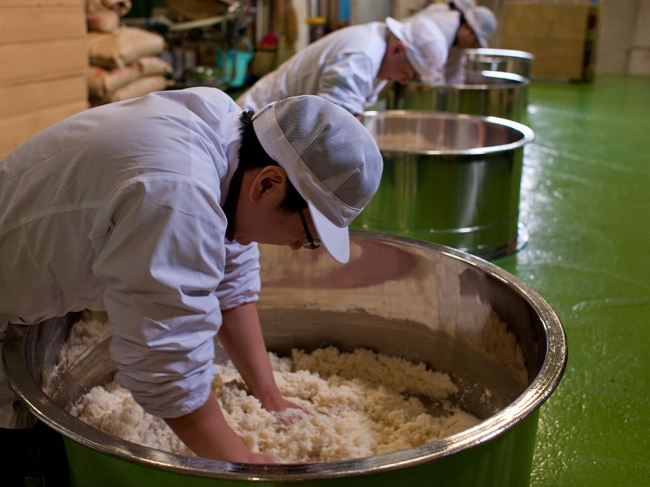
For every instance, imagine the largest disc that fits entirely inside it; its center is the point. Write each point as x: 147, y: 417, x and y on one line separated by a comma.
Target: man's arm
x: 206, y: 432
x: 241, y: 336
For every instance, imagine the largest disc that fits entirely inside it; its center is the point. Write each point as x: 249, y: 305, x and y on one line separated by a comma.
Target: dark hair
x: 253, y: 156
x: 463, y: 20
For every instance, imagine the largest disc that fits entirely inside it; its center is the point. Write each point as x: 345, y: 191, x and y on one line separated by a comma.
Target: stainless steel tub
x: 398, y: 296
x: 504, y: 60
x: 449, y: 179
x: 487, y: 93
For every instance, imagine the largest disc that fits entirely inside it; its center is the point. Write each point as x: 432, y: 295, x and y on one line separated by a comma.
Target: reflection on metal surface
x: 449, y: 179
x: 503, y: 60
x: 487, y: 93
x: 397, y: 296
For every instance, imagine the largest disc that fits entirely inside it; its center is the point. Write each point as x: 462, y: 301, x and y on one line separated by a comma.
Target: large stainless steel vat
x: 504, y: 60
x: 449, y: 179
x: 397, y: 296
x: 487, y: 93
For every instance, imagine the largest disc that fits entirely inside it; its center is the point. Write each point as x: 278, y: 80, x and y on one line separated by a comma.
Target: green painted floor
x: 586, y: 204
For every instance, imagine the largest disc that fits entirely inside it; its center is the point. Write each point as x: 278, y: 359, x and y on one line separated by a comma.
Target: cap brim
x: 395, y: 26
x: 335, y: 239
x: 473, y: 24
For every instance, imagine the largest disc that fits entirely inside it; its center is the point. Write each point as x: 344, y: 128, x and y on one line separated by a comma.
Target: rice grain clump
x: 354, y: 405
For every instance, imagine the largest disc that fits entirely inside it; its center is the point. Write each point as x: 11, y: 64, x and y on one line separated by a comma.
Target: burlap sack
x: 122, y: 47
x: 121, y: 7
x: 153, y: 65
x: 102, y: 82
x: 103, y: 21
x: 139, y: 87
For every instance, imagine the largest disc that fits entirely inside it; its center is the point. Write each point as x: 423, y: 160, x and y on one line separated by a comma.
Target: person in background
x: 350, y: 66
x: 151, y: 209
x: 472, y: 26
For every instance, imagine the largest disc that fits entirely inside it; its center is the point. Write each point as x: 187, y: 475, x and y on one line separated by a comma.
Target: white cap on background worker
x: 427, y: 43
x: 482, y: 21
x: 463, y: 5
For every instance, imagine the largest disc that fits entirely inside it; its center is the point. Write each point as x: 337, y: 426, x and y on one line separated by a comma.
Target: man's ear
x: 269, y: 181
x: 399, y: 47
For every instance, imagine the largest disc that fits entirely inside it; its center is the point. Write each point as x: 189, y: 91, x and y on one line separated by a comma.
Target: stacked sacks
x: 104, y: 15
x: 124, y: 61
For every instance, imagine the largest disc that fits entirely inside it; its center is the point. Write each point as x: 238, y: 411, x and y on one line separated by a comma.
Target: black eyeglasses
x: 312, y: 243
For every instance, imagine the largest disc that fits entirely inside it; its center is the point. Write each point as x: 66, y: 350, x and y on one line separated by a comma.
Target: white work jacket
x: 341, y: 67
x: 120, y: 208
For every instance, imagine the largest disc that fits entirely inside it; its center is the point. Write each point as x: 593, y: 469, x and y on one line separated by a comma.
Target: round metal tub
x: 449, y: 179
x: 504, y: 60
x: 487, y: 93
x: 308, y: 301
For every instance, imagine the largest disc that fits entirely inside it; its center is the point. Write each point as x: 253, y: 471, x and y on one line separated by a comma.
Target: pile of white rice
x: 359, y: 404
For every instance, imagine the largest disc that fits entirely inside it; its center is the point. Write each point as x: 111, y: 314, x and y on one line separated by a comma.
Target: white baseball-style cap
x: 463, y: 5
x: 329, y: 156
x: 427, y: 45
x: 482, y: 21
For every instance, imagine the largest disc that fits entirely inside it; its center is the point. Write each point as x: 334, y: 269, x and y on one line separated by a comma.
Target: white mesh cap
x: 463, y: 5
x: 329, y: 156
x: 427, y: 44
x: 483, y: 23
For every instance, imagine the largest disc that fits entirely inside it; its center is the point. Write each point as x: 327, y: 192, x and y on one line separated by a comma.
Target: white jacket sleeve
x: 241, y: 282
x: 163, y: 258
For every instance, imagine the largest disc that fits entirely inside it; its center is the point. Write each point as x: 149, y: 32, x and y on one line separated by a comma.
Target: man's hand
x: 286, y: 411
x: 241, y: 336
x: 206, y: 432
